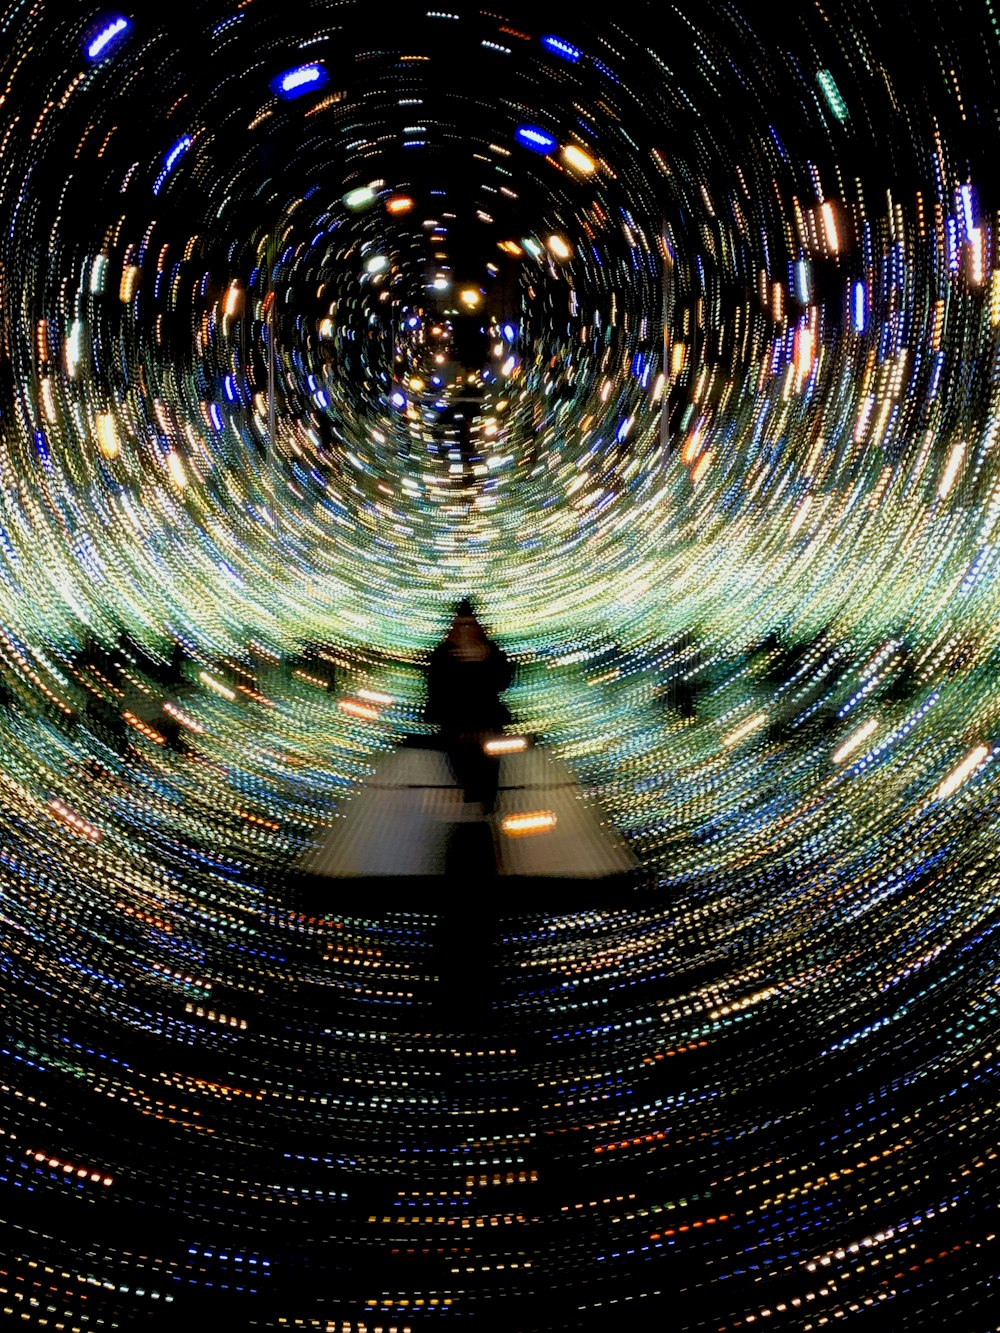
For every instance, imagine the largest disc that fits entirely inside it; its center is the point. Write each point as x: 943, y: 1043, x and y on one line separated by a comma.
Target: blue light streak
x: 535, y: 139
x: 107, y: 36
x: 171, y: 160
x: 302, y: 79
x: 562, y: 48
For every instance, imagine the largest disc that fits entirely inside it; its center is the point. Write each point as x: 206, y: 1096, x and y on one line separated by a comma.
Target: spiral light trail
x: 672, y: 336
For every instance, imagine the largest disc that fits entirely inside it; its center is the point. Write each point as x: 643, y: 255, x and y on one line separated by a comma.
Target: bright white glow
x: 578, y: 159
x: 535, y: 139
x: 506, y: 745
x: 216, y: 686
x: 375, y: 697
x: 855, y: 740
x: 538, y: 821
x: 750, y: 725
x: 180, y: 147
x: 961, y: 774
x: 105, y: 36
x: 951, y: 469
x: 377, y: 264
x: 298, y: 78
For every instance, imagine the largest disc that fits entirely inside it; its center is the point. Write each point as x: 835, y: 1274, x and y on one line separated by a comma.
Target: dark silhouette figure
x: 468, y: 673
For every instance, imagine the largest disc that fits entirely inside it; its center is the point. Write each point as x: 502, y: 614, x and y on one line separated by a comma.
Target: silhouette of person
x: 468, y: 672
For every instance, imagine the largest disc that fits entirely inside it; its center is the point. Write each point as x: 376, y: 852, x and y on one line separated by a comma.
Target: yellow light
x: 470, y: 296
x: 234, y: 301
x: 961, y: 774
x: 830, y: 228
x: 538, y: 821
x: 511, y: 248
x: 182, y: 717
x: 49, y: 402
x: 506, y: 745
x: 176, y: 469
x: 559, y: 247
x: 853, y: 741
x: 107, y: 435
x: 578, y: 159
x: 702, y: 466
x: 375, y: 697
x: 358, y: 710
x: 216, y: 685
x: 399, y: 203
x: 976, y: 244
x: 750, y: 725
x: 129, y: 282
x: 951, y: 469
x: 800, y: 515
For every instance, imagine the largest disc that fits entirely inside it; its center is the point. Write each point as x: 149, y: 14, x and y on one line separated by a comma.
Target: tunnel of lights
x: 673, y: 337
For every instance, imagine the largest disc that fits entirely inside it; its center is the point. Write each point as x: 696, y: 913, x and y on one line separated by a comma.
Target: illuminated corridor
x: 671, y: 338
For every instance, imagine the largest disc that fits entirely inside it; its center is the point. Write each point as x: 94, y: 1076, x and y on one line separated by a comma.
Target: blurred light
x: 559, y: 248
x: 534, y: 138
x: 951, y: 469
x: 578, y: 159
x: 107, y: 435
x: 98, y: 273
x: 377, y: 264
x: 858, y: 304
x: 831, y: 92
x: 399, y: 203
x: 216, y: 686
x: 109, y: 37
x: 176, y: 469
x: 854, y: 741
x: 358, y: 710
x: 537, y: 821
x: 128, y: 284
x: 752, y: 724
x: 470, y: 296
x: 234, y: 301
x: 362, y: 197
x: 506, y: 745
x: 171, y: 160
x: 302, y: 79
x: 560, y: 47
x: 973, y: 760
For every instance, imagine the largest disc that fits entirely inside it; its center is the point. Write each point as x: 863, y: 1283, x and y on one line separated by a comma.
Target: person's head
x: 465, y: 624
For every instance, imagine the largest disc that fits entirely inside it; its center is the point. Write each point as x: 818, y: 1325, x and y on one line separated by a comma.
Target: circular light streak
x: 733, y: 505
